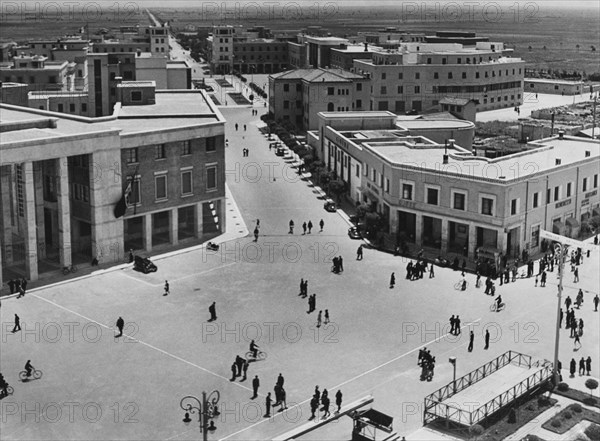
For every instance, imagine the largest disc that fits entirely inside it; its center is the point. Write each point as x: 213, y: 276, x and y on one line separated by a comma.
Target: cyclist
x: 29, y: 367
x: 254, y: 349
x: 463, y: 285
x: 3, y: 386
x: 499, y: 302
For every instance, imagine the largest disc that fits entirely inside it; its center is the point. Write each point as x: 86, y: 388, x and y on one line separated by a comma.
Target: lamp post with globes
x: 561, y: 250
x: 207, y: 410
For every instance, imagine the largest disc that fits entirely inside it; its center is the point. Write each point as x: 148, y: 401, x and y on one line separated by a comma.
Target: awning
x: 375, y: 419
x: 489, y: 251
x: 572, y: 222
x: 558, y: 227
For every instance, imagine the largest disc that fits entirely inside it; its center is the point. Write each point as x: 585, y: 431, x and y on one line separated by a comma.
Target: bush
x: 567, y: 415
x: 577, y: 408
x: 589, y: 401
x: 530, y: 407
x: 512, y: 416
x: 555, y: 422
x: 591, y: 384
x: 592, y: 431
x: 476, y: 430
x: 563, y: 387
x: 543, y: 401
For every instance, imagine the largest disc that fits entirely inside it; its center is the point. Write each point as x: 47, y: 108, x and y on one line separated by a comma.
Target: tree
x: 476, y: 430
x: 337, y: 188
x: 591, y: 384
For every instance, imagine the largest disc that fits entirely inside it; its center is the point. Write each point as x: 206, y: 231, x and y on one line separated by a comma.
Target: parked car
x: 280, y: 151
x: 144, y: 265
x: 330, y: 206
x: 354, y: 233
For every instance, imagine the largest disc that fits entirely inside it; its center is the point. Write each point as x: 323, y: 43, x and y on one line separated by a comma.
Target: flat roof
x: 541, y: 158
x: 172, y: 109
x: 551, y: 81
x: 435, y: 124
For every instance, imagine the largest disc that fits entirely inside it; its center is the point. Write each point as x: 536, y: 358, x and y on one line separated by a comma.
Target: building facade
x: 418, y: 75
x: 63, y: 179
x: 441, y: 197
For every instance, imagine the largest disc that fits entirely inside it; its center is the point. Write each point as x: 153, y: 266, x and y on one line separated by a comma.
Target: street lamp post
x: 453, y: 361
x: 561, y: 250
x: 207, y: 409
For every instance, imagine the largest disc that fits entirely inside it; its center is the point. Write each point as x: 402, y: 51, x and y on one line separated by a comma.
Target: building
x: 14, y: 93
x: 460, y: 37
x: 557, y: 87
x: 39, y: 73
x: 343, y: 57
x: 417, y: 76
x: 63, y: 178
x: 153, y: 39
x: 298, y: 95
x: 441, y: 197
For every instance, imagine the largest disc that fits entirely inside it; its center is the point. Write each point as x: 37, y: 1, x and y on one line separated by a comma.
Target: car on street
x: 280, y: 151
x: 330, y: 206
x: 354, y: 233
x: 144, y: 265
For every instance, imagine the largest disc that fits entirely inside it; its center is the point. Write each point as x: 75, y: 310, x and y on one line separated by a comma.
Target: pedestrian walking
x: 244, y: 127
x: 236, y: 126
x: 431, y: 271
x: 325, y: 409
x: 304, y: 228
x: 338, y: 400
x: 596, y: 301
x: 471, y: 338
x: 341, y: 263
x: 588, y: 365
x: 321, y: 225
x: 452, y: 324
x: 268, y: 402
x: 166, y: 288
x: 543, y: 279
x: 576, y: 275
x: 282, y: 400
x: 582, y: 367
x: 392, y: 280
x: 359, y: 253
x: 568, y: 302
x: 256, y: 234
x: 212, y: 309
x: 314, y: 406
x: 576, y: 341
x: 457, y: 330
x: 239, y: 362
x: 319, y: 319
x: 561, y: 318
x: 326, y: 317
x: 291, y: 227
x: 310, y: 226
x: 17, y: 326
x: 573, y: 367
x: 280, y: 380
x: 255, y: 386
x: 487, y: 339
x: 233, y: 371
x: 120, y: 325
x: 245, y: 369
x: 11, y: 286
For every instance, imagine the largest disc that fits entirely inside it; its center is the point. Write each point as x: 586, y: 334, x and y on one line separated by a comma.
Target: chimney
x: 138, y: 52
x: 561, y: 134
x: 366, y: 47
x: 557, y: 161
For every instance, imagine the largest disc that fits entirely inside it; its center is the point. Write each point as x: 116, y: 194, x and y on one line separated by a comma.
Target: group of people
x: 338, y: 265
x: 427, y: 363
x: 239, y: 367
x: 306, y: 227
x: 585, y: 366
x: 17, y: 285
x: 415, y: 271
x: 325, y: 401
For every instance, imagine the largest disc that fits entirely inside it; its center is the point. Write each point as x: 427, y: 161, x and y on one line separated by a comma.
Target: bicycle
x: 494, y: 307
x: 36, y: 374
x: 69, y: 269
x: 9, y: 391
x: 260, y: 355
x: 459, y: 285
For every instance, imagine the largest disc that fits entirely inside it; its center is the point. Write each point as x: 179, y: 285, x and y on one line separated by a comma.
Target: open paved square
x: 98, y: 387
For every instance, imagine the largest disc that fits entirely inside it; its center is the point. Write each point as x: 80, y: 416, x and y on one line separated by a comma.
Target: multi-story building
x: 460, y: 37
x: 442, y: 197
x: 39, y: 73
x: 388, y: 35
x: 558, y: 87
x: 343, y: 57
x: 153, y: 39
x: 317, y: 50
x: 418, y: 75
x: 63, y: 178
x: 298, y: 95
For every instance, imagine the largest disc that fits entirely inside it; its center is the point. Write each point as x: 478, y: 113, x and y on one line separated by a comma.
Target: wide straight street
x: 97, y: 387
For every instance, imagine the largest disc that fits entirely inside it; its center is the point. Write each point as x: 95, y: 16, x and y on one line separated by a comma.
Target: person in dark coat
x: 233, y: 371
x: 582, y: 367
x: 338, y: 398
x: 588, y: 365
x: 487, y: 339
x: 212, y: 309
x: 245, y: 369
x: 573, y: 367
x: 268, y: 402
x: 471, y: 338
x: 314, y: 406
x: 120, y: 325
x: 11, y: 286
x: 255, y: 386
x: 17, y: 326
x: 392, y: 280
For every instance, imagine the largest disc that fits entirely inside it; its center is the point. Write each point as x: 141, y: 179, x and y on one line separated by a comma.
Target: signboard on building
x: 566, y: 240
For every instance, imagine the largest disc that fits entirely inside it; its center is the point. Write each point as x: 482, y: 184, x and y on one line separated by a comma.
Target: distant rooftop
x: 318, y: 75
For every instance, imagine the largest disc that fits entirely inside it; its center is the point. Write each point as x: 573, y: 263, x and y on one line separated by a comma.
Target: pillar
x: 30, y: 224
x: 147, y: 232
x: 502, y: 236
x: 64, y: 213
x: 394, y: 224
x: 418, y: 231
x: 199, y: 220
x: 7, y: 233
x: 222, y: 213
x: 38, y: 182
x: 444, y: 244
x: 174, y: 227
x: 472, y: 239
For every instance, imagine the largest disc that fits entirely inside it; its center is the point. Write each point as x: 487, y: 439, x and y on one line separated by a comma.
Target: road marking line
x: 352, y: 379
x: 155, y: 285
x: 143, y: 343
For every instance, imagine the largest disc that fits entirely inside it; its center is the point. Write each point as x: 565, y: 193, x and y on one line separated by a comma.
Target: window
x: 584, y: 184
x: 211, y: 177
x: 568, y: 189
x: 407, y: 192
x: 383, y: 90
x: 373, y: 175
x: 286, y: 104
x: 443, y: 61
x: 387, y: 185
x: 159, y: 151
x: 449, y: 75
x: 428, y: 60
x: 286, y: 87
x: 535, y: 236
x: 134, y: 195
x: 417, y: 75
x: 186, y: 183
x: 459, y: 201
x: 557, y: 193
x: 160, y: 186
x: 487, y: 206
x: 357, y: 171
x: 136, y: 95
x: 298, y: 87
x: 383, y: 75
x: 596, y: 181
x: 60, y: 108
x: 72, y: 107
x: 131, y: 155
x: 211, y: 144
x: 417, y: 89
x: 400, y: 75
x: 536, y: 200
x: 84, y: 107
x: 358, y: 104
x: 186, y: 148
x: 548, y: 194
x: 436, y: 75
x: 359, y: 86
x: 330, y: 91
x: 432, y: 196
x: 514, y: 207
x: 476, y: 74
x: 400, y: 89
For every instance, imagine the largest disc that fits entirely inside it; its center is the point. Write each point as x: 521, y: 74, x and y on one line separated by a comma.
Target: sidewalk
x: 235, y: 229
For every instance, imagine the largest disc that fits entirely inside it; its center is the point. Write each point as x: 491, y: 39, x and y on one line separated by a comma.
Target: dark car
x: 280, y: 151
x: 330, y: 206
x: 144, y: 265
x: 354, y: 233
